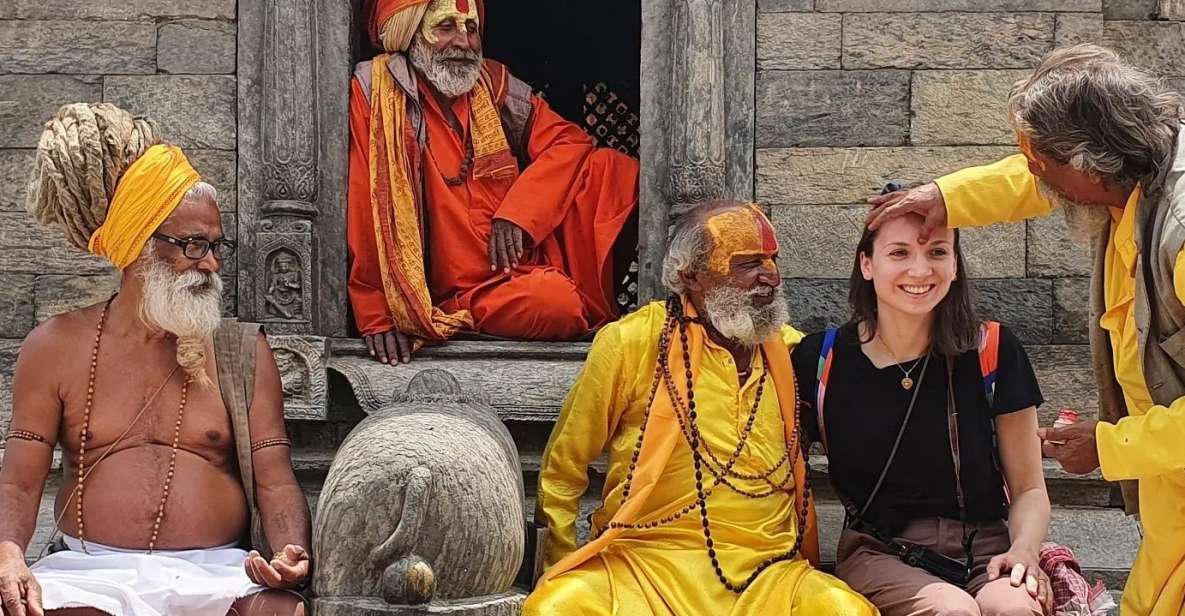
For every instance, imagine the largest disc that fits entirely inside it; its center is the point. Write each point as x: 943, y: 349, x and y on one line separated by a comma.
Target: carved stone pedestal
x: 504, y: 604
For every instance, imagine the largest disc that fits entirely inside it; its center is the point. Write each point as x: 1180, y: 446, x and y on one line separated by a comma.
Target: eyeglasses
x: 198, y: 247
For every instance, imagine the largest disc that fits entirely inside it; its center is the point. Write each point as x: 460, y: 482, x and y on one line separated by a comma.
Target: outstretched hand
x: 925, y: 200
x: 288, y: 568
x: 1073, y: 446
x: 506, y: 245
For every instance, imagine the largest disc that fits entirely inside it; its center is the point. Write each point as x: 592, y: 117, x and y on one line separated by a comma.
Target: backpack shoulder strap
x: 826, y: 356
x: 989, y: 357
x: 234, y: 353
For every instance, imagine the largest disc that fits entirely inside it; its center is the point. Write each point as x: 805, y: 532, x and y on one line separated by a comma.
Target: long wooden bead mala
x: 86, y: 422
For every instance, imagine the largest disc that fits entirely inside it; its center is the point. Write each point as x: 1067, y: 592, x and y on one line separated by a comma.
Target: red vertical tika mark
x: 463, y: 7
x: 769, y: 241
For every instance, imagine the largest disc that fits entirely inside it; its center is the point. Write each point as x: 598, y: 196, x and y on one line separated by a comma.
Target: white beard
x: 450, y: 78
x: 735, y: 314
x: 186, y: 304
x: 1085, y: 222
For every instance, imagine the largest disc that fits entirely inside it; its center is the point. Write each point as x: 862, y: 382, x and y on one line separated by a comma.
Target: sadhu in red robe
x: 419, y: 222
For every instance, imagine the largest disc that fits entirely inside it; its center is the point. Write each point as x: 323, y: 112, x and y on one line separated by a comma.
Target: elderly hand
x: 506, y: 245
x: 925, y: 200
x: 1021, y: 563
x: 20, y: 594
x: 389, y: 347
x: 288, y: 568
x: 1080, y: 452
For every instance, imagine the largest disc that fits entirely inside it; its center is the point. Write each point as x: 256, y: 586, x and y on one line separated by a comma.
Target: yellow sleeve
x: 1150, y: 444
x: 585, y: 425
x: 1004, y: 191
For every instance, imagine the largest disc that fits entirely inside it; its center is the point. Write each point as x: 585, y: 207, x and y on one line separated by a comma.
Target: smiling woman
x: 909, y: 418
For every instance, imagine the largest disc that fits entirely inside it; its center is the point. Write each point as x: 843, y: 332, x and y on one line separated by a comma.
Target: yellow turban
x: 145, y: 196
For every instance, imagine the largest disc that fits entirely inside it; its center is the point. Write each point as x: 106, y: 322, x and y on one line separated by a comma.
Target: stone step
x: 1103, y: 540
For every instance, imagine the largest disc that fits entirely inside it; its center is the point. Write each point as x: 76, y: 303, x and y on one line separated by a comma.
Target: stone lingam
x: 422, y: 511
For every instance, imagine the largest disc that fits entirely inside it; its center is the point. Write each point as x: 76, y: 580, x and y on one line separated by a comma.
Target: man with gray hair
x: 1101, y: 140
x: 707, y: 506
x: 164, y: 463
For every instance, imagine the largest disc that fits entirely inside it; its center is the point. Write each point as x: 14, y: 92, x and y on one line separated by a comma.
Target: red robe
x: 572, y: 201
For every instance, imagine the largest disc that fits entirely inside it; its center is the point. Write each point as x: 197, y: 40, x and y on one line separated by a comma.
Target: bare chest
x: 134, y: 407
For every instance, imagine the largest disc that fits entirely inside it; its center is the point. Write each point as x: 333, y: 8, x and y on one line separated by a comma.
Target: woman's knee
x: 1001, y: 598
x: 942, y: 599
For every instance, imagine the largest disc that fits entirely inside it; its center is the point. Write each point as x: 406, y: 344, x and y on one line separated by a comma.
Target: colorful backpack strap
x: 826, y: 355
x: 989, y: 364
x: 989, y: 357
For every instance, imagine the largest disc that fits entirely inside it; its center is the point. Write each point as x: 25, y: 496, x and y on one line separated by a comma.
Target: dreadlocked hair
x: 83, y: 151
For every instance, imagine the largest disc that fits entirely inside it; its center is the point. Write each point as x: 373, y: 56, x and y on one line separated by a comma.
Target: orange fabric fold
x: 662, y: 433
x: 397, y: 224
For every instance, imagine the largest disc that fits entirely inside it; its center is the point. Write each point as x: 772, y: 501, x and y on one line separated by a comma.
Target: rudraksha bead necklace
x: 86, y: 422
x: 676, y: 320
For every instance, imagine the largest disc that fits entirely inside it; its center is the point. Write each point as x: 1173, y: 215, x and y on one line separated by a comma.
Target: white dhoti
x: 135, y: 583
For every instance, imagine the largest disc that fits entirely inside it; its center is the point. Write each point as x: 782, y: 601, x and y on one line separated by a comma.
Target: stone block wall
x: 172, y: 60
x: 851, y: 94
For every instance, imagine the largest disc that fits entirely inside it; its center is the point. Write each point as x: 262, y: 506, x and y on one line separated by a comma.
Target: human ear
x: 865, y: 266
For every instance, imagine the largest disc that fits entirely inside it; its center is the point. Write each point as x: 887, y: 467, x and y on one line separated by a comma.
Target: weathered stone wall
x: 854, y: 93
x: 171, y: 59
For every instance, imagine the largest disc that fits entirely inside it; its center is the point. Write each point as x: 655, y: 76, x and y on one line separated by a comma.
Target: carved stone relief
x: 698, y: 115
x: 302, y: 362
x: 284, y: 256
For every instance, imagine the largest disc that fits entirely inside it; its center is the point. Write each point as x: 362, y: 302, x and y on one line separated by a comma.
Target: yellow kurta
x: 1147, y: 445
x: 666, y: 570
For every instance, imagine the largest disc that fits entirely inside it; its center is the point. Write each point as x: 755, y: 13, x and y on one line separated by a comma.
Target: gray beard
x: 451, y: 79
x: 1085, y: 222
x: 186, y: 304
x: 736, y: 316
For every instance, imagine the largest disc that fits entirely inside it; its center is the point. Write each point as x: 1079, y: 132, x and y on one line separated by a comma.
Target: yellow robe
x: 666, y: 570
x: 1147, y: 445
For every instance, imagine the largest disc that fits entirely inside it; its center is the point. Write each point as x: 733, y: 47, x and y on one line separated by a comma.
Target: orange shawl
x: 394, y: 204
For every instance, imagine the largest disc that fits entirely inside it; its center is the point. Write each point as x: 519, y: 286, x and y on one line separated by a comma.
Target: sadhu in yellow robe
x: 666, y: 569
x: 1145, y: 446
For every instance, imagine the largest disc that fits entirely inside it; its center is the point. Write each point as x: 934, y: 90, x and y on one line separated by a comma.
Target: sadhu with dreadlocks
x: 707, y: 506
x: 152, y: 503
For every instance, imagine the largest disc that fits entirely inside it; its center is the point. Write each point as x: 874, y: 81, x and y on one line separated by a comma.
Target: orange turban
x: 149, y: 191
x: 380, y: 11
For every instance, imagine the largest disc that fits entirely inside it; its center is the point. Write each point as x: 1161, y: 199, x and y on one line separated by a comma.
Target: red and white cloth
x: 1072, y: 594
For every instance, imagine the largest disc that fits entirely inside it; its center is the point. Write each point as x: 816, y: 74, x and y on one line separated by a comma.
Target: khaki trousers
x: 897, y: 589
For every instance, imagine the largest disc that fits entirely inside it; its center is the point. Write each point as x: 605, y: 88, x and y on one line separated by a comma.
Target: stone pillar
x: 293, y: 133
x: 698, y: 63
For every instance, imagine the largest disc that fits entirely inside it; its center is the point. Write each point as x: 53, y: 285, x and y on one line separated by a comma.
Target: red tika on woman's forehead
x: 462, y: 6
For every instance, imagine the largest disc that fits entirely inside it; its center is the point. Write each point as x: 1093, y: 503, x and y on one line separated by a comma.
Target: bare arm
x: 36, y: 410
x: 283, y: 510
x: 1028, y: 515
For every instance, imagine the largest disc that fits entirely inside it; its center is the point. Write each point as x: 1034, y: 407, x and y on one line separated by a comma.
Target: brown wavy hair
x: 955, y: 329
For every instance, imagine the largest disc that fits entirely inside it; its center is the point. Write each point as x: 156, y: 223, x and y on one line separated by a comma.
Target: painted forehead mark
x: 441, y: 11
x: 739, y: 232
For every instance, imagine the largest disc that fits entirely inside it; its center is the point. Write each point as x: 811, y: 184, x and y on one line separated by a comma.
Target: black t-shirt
x: 864, y: 408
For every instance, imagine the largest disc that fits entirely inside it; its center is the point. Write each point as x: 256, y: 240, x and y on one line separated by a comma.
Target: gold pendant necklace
x: 907, y: 380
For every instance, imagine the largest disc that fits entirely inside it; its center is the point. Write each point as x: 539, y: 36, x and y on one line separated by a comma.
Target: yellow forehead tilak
x: 440, y: 11
x: 743, y: 231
